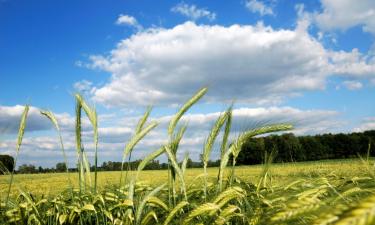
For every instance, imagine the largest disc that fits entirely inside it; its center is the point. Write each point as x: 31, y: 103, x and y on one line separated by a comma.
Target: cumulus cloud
x: 352, y: 63
x: 10, y: 117
x: 83, y: 86
x: 129, y: 21
x: 260, y: 7
x: 305, y: 121
x: 253, y: 64
x: 367, y: 124
x: 344, y: 14
x: 193, y: 12
x: 352, y: 85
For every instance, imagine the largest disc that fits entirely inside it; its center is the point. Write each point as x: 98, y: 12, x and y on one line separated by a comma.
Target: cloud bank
x: 251, y: 64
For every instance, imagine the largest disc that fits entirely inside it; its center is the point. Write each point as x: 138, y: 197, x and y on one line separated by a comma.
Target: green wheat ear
x: 93, y: 117
x: 209, y: 144
x: 53, y: 119
x: 144, y: 201
x: 133, y: 142
x: 258, y: 131
x: 143, y: 120
x: 21, y: 132
x: 175, y: 210
x: 149, y: 158
x: 184, y: 108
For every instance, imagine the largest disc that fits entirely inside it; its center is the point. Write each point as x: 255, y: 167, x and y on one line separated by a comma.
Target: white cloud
x: 193, y: 12
x: 353, y: 64
x: 260, y: 7
x: 45, y: 150
x: 252, y: 64
x: 367, y: 124
x: 352, y: 85
x: 129, y: 21
x: 83, y: 86
x: 305, y: 121
x: 344, y: 14
x: 10, y: 118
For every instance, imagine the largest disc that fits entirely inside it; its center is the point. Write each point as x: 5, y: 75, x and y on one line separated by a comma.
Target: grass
x: 328, y: 192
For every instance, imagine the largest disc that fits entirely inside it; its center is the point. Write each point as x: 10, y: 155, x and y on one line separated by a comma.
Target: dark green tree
x: 8, y: 162
x: 60, y: 167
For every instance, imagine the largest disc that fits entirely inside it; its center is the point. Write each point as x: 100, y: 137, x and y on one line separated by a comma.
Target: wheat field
x: 323, y: 192
x: 54, y: 183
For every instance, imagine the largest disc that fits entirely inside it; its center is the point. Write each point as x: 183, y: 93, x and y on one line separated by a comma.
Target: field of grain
x: 322, y: 192
x: 54, y: 183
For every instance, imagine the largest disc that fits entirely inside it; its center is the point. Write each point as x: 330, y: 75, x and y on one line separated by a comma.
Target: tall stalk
x: 21, y: 132
x: 53, y: 119
x: 81, y: 176
x: 138, y: 136
x: 93, y: 117
x: 171, y: 153
x: 208, y: 146
x: 237, y: 146
x: 224, y: 143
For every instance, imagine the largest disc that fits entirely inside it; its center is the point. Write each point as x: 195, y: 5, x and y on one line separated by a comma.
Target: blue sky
x: 310, y: 63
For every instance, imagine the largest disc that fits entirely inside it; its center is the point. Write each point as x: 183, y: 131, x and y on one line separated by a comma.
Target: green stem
x: 232, y: 172
x: 205, y: 181
x: 11, y: 180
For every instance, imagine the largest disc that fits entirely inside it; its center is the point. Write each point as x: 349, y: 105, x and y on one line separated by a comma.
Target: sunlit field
x: 321, y: 192
x: 54, y: 183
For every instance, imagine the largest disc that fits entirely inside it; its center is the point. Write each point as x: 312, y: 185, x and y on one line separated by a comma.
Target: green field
x: 323, y: 192
x: 54, y: 183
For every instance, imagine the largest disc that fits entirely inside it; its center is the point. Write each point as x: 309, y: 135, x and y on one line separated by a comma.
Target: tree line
x: 8, y: 162
x: 291, y: 148
x: 288, y: 148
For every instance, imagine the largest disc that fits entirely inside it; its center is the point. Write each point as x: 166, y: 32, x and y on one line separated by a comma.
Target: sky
x: 309, y: 63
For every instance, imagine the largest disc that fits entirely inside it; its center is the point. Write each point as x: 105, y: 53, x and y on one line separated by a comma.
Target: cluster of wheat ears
x: 223, y: 200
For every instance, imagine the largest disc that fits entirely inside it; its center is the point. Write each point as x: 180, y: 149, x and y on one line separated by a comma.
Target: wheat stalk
x: 185, y: 108
x: 174, y: 211
x: 209, y: 144
x: 93, y: 117
x: 21, y: 132
x: 53, y: 119
x: 133, y: 142
x: 144, y: 201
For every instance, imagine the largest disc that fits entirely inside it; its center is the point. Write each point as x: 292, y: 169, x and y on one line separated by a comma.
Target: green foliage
x: 61, y: 167
x: 6, y: 164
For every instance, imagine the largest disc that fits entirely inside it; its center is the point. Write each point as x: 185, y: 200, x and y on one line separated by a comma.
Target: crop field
x: 322, y: 192
x: 54, y: 183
